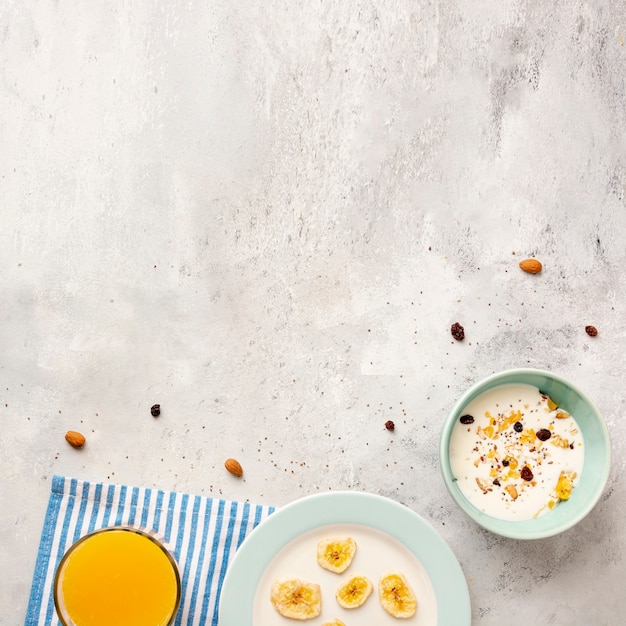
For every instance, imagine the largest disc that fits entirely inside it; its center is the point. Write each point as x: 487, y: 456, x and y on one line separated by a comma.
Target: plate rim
x: 244, y: 572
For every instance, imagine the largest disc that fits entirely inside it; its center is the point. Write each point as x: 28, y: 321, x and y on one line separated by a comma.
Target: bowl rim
x: 517, y: 529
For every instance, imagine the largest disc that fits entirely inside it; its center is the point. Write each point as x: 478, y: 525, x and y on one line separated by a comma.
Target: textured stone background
x: 266, y: 215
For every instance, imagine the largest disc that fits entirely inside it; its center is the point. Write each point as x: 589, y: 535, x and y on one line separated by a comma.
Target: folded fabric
x: 204, y: 534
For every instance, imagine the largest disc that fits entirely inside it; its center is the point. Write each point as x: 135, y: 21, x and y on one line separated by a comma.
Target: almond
x: 233, y: 466
x: 532, y: 266
x: 75, y: 439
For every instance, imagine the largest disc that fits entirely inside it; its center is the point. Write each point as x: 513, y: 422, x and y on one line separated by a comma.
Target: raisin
x: 592, y: 331
x: 496, y: 482
x: 389, y: 425
x: 466, y: 419
x: 155, y: 409
x: 526, y: 473
x: 458, y: 332
x: 505, y: 462
x: 543, y: 434
x: 518, y: 427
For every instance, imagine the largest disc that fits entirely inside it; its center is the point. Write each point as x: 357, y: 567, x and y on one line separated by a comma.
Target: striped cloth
x: 204, y: 534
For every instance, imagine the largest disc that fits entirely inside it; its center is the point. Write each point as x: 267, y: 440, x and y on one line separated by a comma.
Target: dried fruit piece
x: 155, y: 409
x: 296, y: 599
x: 510, y: 461
x: 512, y: 491
x: 543, y: 434
x: 75, y: 439
x: 354, y: 592
x: 335, y: 622
x: 466, y: 419
x: 561, y: 415
x: 592, y: 331
x: 565, y: 484
x: 233, y: 466
x: 336, y: 555
x: 483, y: 484
x: 559, y: 442
x: 389, y: 425
x: 526, y: 473
x: 488, y: 431
x: 396, y: 595
x: 518, y: 427
x: 458, y: 332
x: 532, y: 266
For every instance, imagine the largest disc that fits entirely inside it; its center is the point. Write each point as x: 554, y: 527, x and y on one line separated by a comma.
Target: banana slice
x: 296, y: 599
x: 335, y: 622
x: 353, y: 593
x: 336, y: 554
x: 396, y: 596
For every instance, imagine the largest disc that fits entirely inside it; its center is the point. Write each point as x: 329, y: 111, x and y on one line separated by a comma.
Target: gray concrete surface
x: 265, y: 216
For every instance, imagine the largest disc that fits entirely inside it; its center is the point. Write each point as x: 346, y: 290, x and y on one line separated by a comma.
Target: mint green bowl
x: 596, y: 465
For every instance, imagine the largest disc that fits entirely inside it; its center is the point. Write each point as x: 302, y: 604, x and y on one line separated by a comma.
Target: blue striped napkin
x: 204, y: 534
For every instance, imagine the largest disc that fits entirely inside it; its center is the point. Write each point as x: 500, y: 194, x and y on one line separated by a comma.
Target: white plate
x: 389, y: 536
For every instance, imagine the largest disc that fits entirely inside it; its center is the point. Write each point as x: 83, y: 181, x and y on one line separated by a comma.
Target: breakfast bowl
x: 525, y: 454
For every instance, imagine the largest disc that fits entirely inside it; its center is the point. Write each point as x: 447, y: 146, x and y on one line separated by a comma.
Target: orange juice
x: 118, y: 576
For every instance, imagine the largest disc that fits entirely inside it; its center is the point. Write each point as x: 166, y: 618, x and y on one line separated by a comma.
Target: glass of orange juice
x: 117, y: 575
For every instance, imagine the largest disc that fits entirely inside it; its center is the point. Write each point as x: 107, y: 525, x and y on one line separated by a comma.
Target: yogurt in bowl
x: 515, y: 453
x: 525, y: 453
